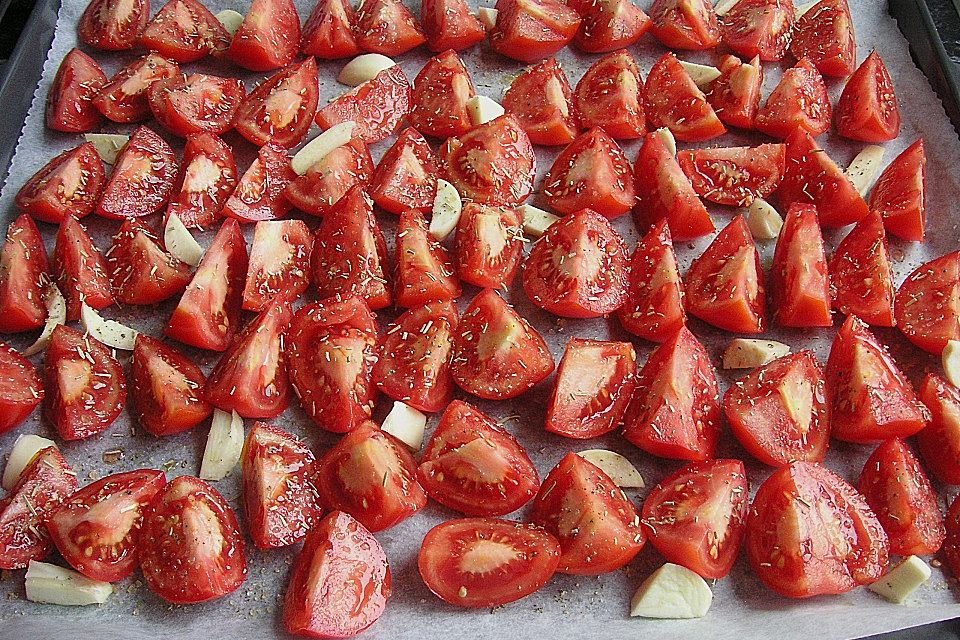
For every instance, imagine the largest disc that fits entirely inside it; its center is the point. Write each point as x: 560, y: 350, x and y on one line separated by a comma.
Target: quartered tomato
x: 939, y: 441
x: 68, y: 186
x: 870, y: 399
x: 141, y: 272
x: 142, y: 179
x: 449, y: 24
x: 541, y: 100
x: 413, y: 363
x: 609, y: 96
x: 190, y: 104
x: 799, y: 280
x: 125, y: 98
x: 268, y: 38
x: 675, y: 412
x: 440, y: 94
x: 696, y: 517
x: 84, y: 384
x: 472, y: 465
x: 594, y: 383
x: 330, y: 31
x: 531, y: 30
x: 24, y: 274
x: 597, y: 526
x: 79, y: 270
x: 280, y: 109
x: 279, y: 263
x: 207, y: 180
x: 735, y: 94
x: 45, y: 482
x: 861, y: 282
x: 96, y: 528
x: 251, y: 376
x: 899, y: 194
x: 191, y: 549
x: 653, y: 308
x: 734, y: 175
x: 779, y: 411
x: 279, y: 478
x: 927, y: 305
x: 578, y: 268
x: 424, y: 268
x: 406, y: 177
x: 725, y: 284
x: 951, y: 544
x: 673, y: 100
x: 798, y: 102
x: 810, y: 533
x: 378, y: 106
x: 759, y: 28
x: 685, y: 24
x: 824, y: 35
x: 591, y: 173
x: 387, y: 27
x: 113, y: 25
x: 185, y: 31
x: 340, y: 582
x: 320, y: 190
x: 608, y: 25
x: 208, y: 314
x: 486, y: 562
x: 20, y: 388
x: 331, y: 348
x: 167, y: 389
x: 69, y: 105
x: 867, y: 109
x: 489, y: 245
x: 261, y: 192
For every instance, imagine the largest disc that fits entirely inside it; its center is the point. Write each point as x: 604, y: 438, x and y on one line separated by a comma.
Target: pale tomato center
x: 796, y: 392
x: 556, y: 97
x: 499, y: 337
x: 282, y: 106
x: 486, y: 556
x: 492, y: 233
x: 74, y: 377
x: 203, y: 174
x: 202, y: 528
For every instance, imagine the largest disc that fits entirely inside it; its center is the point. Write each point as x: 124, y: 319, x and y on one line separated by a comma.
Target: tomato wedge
x: 387, y: 27
x: 697, y: 516
x: 96, y: 528
x: 268, y: 38
x: 799, y: 101
x: 608, y: 25
x: 125, y: 98
x: 191, y: 549
x: 205, y: 183
x: 79, y: 270
x: 167, y: 389
x: 142, y: 178
x: 951, y: 545
x: 735, y: 94
x: 406, y: 177
x: 185, y: 31
x: 69, y: 105
x: 673, y: 100
x: 870, y: 398
x: 325, y: 184
x: 24, y: 274
x: 927, y: 305
x: 279, y: 478
x: 609, y: 96
x: 113, y: 25
x: 20, y: 388
x: 531, y: 30
x: 279, y: 263
x: 449, y: 24
x: 378, y: 106
x: 779, y: 411
x: 424, y: 269
x: 489, y: 245
x: 261, y: 192
x: 184, y: 105
x: 939, y: 441
x: 68, y: 186
x: 674, y: 412
x: 759, y: 28
x: 734, y: 175
x: 824, y: 35
x: 472, y: 465
x: 899, y: 194
x: 861, y: 282
x: 685, y: 24
x: 140, y: 271
x: 799, y: 280
x: 280, y: 109
x: 330, y: 31
x: 440, y: 94
x: 591, y: 173
x: 867, y: 109
x: 541, y: 100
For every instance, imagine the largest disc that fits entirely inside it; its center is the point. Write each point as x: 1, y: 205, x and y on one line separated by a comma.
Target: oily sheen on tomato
x: 280, y: 109
x: 206, y: 181
x: 440, y: 94
x: 185, y: 31
x: 610, y: 95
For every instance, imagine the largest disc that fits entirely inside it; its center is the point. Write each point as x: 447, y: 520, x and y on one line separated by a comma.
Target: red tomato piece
x: 69, y: 105
x: 20, y: 388
x: 79, y: 403
x: 191, y: 549
x: 44, y: 483
x: 185, y: 31
x: 734, y: 175
x: 939, y: 441
x: 167, y: 390
x: 330, y: 31
x: 609, y: 96
x: 406, y: 177
x: 697, y: 516
x: 759, y: 28
x: 141, y: 272
x: 799, y: 280
x: 331, y: 348
x: 927, y: 305
x: 449, y: 24
x: 387, y: 27
x: 125, y: 98
x: 870, y: 399
x: 340, y: 582
x: 79, y: 270
x: 261, y: 193
x: 68, y: 186
x: 280, y: 109
x: 424, y: 268
x: 867, y: 110
x: 591, y: 173
x: 325, y: 184
x: 413, y: 364
x: 24, y: 274
x: 810, y: 533
x: 685, y: 24
x: 96, y: 528
x: 541, y: 100
x: 951, y: 545
x: 142, y: 179
x: 113, y: 25
x: 208, y: 314
x: 439, y: 99
x: 799, y: 101
x: 779, y: 411
x: 489, y: 245
x: 207, y: 180
x: 279, y: 479
x: 184, y: 105
x: 673, y: 100
x: 824, y: 35
x: 861, y: 282
x: 735, y: 95
x: 378, y: 106
x: 496, y: 353
x: 268, y: 38
x: 279, y: 263
x: 608, y: 25
x: 531, y: 30
x: 899, y: 195
x: 675, y: 411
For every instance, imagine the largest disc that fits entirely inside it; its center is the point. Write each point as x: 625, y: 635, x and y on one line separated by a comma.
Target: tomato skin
x: 330, y: 31
x: 387, y: 27
x: 591, y: 173
x: 140, y: 271
x: 867, y: 110
x: 69, y: 106
x: 533, y: 557
x: 685, y: 24
x: 449, y: 24
x: 378, y: 106
x: 279, y: 263
x: 608, y: 25
x: 191, y: 549
x: 697, y: 516
x: 424, y: 268
x: 489, y: 245
x: 268, y: 38
x: 439, y: 99
x: 673, y: 100
x: 264, y: 115
x: 735, y: 95
x: 79, y: 170
x: 734, y: 175
x: 185, y: 105
x: 799, y: 101
x: 927, y: 305
x: 77, y: 403
x: 339, y: 552
x: 861, y: 282
x: 79, y: 270
x: 799, y: 280
x: 103, y: 26
x: 45, y: 482
x: 899, y: 194
x: 196, y: 199
x: 167, y: 388
x: 939, y: 441
x: 142, y: 178
x: 125, y: 98
x: 531, y: 30
x: 541, y: 100
x: 20, y: 388
x: 759, y: 28
x: 327, y: 182
x: 674, y: 412
x: 406, y: 177
x: 798, y: 500
x: 185, y: 31
x: 779, y: 412
x: 24, y: 273
x: 103, y: 518
x: 951, y: 545
x: 824, y: 34
x: 261, y: 193
x: 609, y: 95
x: 876, y: 404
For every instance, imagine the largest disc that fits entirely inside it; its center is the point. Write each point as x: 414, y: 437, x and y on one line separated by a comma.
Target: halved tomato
x: 927, y: 305
x: 449, y: 24
x: 261, y: 192
x: 125, y: 98
x: 142, y: 179
x: 734, y: 175
x: 735, y: 94
x: 798, y: 102
x: 489, y: 245
x: 685, y: 24
x: 113, y: 25
x: 205, y: 183
x: 591, y: 173
x: 867, y: 109
x: 191, y: 549
x: 675, y: 411
x: 190, y: 104
x: 268, y: 38
x: 899, y: 194
x: 20, y: 388
x: 167, y: 389
x: 279, y: 263
x: 280, y: 109
x: 185, y: 31
x: 472, y: 465
x: 387, y: 27
x: 541, y: 100
x: 870, y: 399
x: 531, y: 30
x: 824, y: 35
x: 406, y: 177
x: 424, y: 268
x: 939, y: 441
x: 69, y: 105
x: 141, y: 272
x: 696, y: 517
x: 759, y: 28
x: 321, y: 189
x: 24, y: 274
x: 861, y: 282
x: 96, y: 528
x: 68, y: 186
x: 673, y: 100
x: 799, y: 280
x: 84, y: 383
x: 330, y: 31
x: 79, y: 270
x: 608, y: 25
x: 378, y: 106
x: 609, y: 96
x: 440, y: 94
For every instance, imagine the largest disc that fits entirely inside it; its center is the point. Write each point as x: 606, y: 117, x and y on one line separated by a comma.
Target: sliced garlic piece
x: 315, y: 150
x: 951, y: 362
x: 487, y: 17
x: 763, y: 220
x: 224, y: 445
x: 747, y: 353
x: 364, y: 67
x: 536, y: 221
x: 672, y: 592
x: 50, y: 584
x: 108, y: 145
x: 620, y: 470
x: 482, y: 109
x: 406, y: 424
x: 109, y: 332
x: 230, y: 19
x: 668, y: 140
x: 898, y: 583
x: 723, y: 7
x: 180, y: 242
x: 447, y: 206
x: 25, y: 447
x: 865, y: 168
x: 701, y: 74
x: 56, y: 315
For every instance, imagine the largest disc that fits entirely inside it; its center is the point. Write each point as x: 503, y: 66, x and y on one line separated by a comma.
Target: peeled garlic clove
x: 482, y: 109
x: 763, y: 220
x: 25, y: 447
x: 488, y: 17
x: 56, y: 315
x: 536, y: 221
x: 364, y: 67
x: 701, y: 74
x: 672, y: 592
x: 109, y: 332
x: 108, y: 145
x: 865, y: 168
x: 747, y: 353
x: 318, y: 148
x: 620, y: 470
x: 447, y: 206
x: 406, y: 424
x: 50, y: 584
x: 181, y: 244
x: 224, y: 445
x: 230, y: 19
x: 950, y: 359
x: 900, y: 582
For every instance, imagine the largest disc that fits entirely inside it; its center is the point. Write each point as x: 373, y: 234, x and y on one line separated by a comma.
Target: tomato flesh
x: 24, y: 274
x: 79, y: 270
x: 280, y: 109
x: 142, y: 179
x: 268, y: 38
x: 449, y: 24
x: 799, y: 280
x: 185, y: 31
x: 206, y: 181
x: 424, y: 268
x: 899, y: 194
x: 685, y: 24
x: 541, y: 100
x: 69, y: 105
x: 867, y: 110
x: 531, y: 30
x: 20, y: 388
x: 759, y: 28
x: 735, y: 94
x: 113, y: 25
x: 860, y: 278
x: 406, y: 177
x: 609, y: 25
x: 330, y: 31
x: 824, y: 35
x: 440, y: 94
x: 279, y: 263
x: 591, y: 173
x: 261, y: 193
x: 125, y: 98
x: 68, y: 186
x: 798, y: 102
x: 734, y: 175
x: 387, y: 27
x: 140, y: 271
x: 609, y: 95
x: 673, y: 100
x: 489, y: 245
x: 191, y: 104
x: 939, y: 441
x: 378, y: 106
x: 927, y: 306
x: 323, y: 188
x: 167, y: 389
